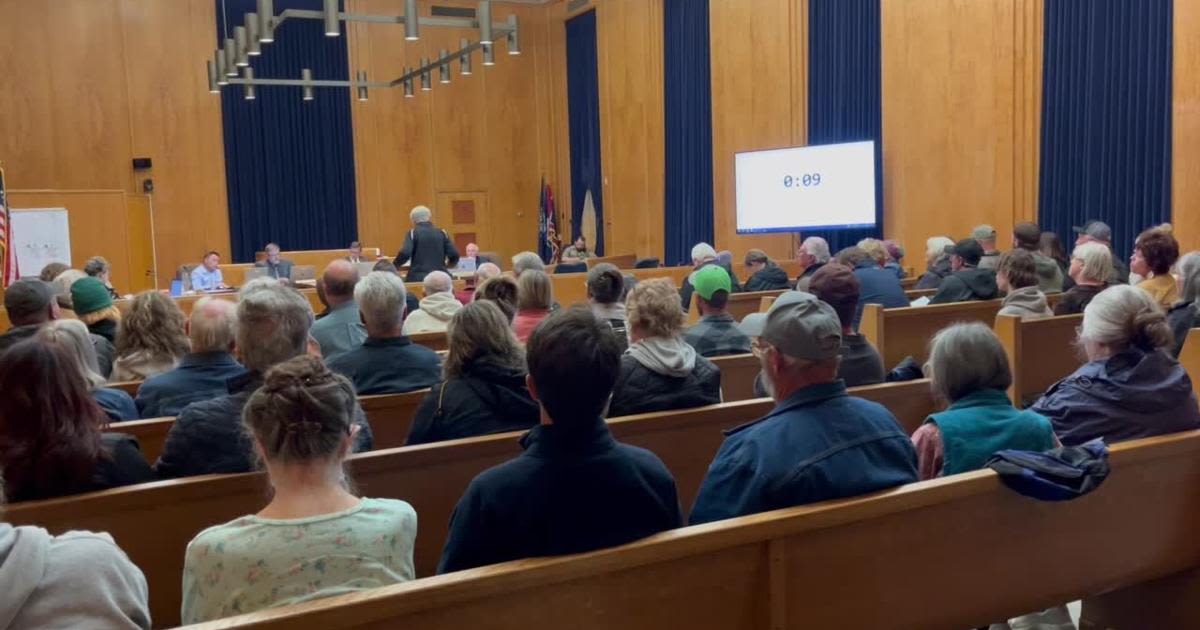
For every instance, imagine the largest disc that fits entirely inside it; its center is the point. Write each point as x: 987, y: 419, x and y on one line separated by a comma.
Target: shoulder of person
x: 395, y: 508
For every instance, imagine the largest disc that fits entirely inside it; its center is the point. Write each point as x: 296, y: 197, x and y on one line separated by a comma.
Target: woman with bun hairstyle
x: 1130, y: 387
x: 315, y: 538
x: 606, y: 295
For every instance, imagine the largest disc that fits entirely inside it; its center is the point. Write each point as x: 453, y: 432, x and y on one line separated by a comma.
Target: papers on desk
x: 921, y: 301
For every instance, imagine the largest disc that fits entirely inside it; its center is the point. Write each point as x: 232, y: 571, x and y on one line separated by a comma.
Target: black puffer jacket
x: 769, y: 278
x: 641, y: 390
x: 487, y: 398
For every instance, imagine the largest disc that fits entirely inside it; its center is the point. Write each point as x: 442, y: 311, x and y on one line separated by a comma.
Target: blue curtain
x: 1106, y: 117
x: 583, y: 105
x: 844, y: 90
x: 289, y: 163
x: 687, y: 99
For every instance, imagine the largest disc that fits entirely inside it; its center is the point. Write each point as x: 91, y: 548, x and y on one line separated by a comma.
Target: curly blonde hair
x: 653, y: 308
x: 876, y: 249
x: 154, y: 324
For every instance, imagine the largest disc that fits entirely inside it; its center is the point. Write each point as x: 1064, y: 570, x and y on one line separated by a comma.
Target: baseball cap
x: 798, y: 325
x: 969, y: 250
x: 708, y: 280
x: 26, y: 297
x: 1098, y: 230
x: 983, y: 232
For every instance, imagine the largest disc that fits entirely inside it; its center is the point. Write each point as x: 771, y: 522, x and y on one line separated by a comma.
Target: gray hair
x: 62, y: 285
x: 380, y: 298
x: 966, y: 358
x: 212, y: 326
x: 935, y: 248
x: 273, y: 324
x: 73, y: 336
x: 1188, y: 268
x: 1097, y: 261
x: 486, y: 270
x: 1122, y: 316
x: 816, y: 247
x: 438, y: 282
x: 420, y: 214
x: 527, y: 261
x: 95, y: 266
x: 703, y: 252
x: 271, y: 247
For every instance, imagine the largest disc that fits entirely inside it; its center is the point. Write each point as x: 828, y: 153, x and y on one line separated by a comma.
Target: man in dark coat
x: 429, y: 248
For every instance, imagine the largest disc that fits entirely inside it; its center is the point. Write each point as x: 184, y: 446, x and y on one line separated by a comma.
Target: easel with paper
x: 40, y: 236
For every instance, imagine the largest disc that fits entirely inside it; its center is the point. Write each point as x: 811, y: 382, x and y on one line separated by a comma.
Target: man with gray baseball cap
x: 31, y: 303
x: 818, y: 443
x: 986, y: 236
x: 1099, y: 232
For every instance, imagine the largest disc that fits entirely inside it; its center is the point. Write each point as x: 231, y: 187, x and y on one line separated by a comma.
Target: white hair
x: 73, y: 335
x: 1188, y: 268
x: 273, y: 324
x: 966, y: 358
x: 816, y: 247
x: 485, y: 271
x: 527, y: 261
x: 420, y: 214
x: 212, y: 326
x: 438, y: 282
x: 703, y: 252
x: 1097, y: 261
x: 935, y: 248
x: 63, y: 281
x: 1122, y: 316
x: 380, y: 298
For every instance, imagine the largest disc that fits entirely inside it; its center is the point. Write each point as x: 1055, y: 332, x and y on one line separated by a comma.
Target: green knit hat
x: 89, y: 295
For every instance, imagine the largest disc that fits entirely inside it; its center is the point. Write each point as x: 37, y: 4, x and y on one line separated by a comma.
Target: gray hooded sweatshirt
x: 1026, y: 303
x: 77, y: 580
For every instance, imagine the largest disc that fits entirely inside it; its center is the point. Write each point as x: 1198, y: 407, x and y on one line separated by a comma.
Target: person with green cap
x: 716, y: 334
x: 93, y: 306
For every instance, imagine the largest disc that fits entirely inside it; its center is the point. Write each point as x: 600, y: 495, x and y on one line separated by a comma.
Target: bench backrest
x: 739, y: 306
x: 436, y: 341
x: 869, y: 562
x: 1189, y: 357
x: 571, y: 288
x: 902, y: 332
x: 738, y: 372
x: 154, y: 522
x: 1040, y: 352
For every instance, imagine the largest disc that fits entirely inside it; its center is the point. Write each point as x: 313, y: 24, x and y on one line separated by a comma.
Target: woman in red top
x: 534, y: 297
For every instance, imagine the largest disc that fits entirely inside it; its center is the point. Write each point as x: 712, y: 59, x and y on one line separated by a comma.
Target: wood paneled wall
x: 85, y: 86
x: 1186, y: 194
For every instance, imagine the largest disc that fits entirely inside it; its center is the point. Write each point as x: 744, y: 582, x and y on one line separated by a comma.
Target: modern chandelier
x: 233, y: 59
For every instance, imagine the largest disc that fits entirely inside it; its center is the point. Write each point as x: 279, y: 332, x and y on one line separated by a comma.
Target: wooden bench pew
x: 865, y: 562
x: 436, y: 341
x: 902, y: 332
x: 738, y: 372
x: 154, y: 522
x: 621, y: 261
x: 129, y: 387
x: 739, y: 306
x: 1040, y: 352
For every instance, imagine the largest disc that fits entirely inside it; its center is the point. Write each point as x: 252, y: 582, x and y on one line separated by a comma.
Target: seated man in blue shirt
x: 204, y: 372
x: 575, y: 488
x: 340, y: 329
x: 818, y: 443
x: 387, y: 362
x: 207, y: 276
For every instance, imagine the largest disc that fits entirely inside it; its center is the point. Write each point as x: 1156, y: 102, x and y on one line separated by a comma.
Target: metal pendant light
x: 248, y: 88
x: 333, y: 24
x: 426, y: 78
x: 484, y: 16
x: 266, y: 28
x: 213, y: 87
x: 230, y: 57
x: 444, y: 68
x: 219, y: 66
x: 514, y: 36
x: 239, y: 42
x: 362, y: 85
x: 253, y: 46
x: 412, y: 21
x: 306, y: 76
x: 465, y: 60
x: 489, y: 55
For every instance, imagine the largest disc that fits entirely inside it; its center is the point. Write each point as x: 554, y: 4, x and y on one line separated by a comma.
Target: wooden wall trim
x: 1185, y: 197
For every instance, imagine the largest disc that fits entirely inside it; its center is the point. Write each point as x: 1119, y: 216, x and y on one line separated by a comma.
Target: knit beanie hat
x: 89, y: 295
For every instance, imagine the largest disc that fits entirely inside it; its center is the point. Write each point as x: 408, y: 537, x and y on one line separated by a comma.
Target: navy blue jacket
x: 199, y: 376
x: 115, y: 403
x: 877, y: 286
x: 569, y: 492
x: 391, y: 365
x: 817, y: 445
x: 207, y: 437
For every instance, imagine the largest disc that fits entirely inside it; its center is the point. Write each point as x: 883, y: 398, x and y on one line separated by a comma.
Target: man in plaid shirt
x: 716, y: 334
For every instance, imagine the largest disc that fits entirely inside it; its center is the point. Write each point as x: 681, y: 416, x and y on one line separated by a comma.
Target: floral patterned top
x: 253, y: 563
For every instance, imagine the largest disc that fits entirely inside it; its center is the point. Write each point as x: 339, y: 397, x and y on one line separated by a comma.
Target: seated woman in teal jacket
x: 969, y: 370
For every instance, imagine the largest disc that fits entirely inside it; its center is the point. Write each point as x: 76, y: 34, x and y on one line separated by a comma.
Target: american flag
x: 8, y: 259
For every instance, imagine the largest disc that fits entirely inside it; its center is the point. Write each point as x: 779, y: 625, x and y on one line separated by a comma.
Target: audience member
x: 818, y: 443
x: 278, y: 268
x: 72, y: 335
x: 938, y: 250
x: 1091, y: 267
x: 968, y: 282
x: 273, y: 322
x: 207, y: 275
x: 860, y: 363
x: 1052, y: 248
x: 813, y: 254
x: 716, y: 334
x: 482, y: 272
x: 969, y: 370
x: 428, y: 247
x: 725, y: 261
x: 52, y: 441
x: 411, y: 303
x: 203, y: 372
x: 986, y: 236
x: 388, y: 362
x: 1185, y: 314
x: 575, y: 488
x: 341, y: 330
x: 1130, y: 387
x: 502, y: 291
x: 527, y: 261
x: 660, y: 371
x: 51, y: 271
x: 1099, y: 232
x: 314, y: 538
x: 152, y: 338
x: 62, y: 285
x: 1028, y: 236
x: 30, y: 304
x: 876, y: 285
x: 703, y: 255
x: 876, y: 250
x: 354, y: 253
x: 94, y: 307
x: 765, y: 275
x: 535, y: 295
x: 1016, y: 275
x: 78, y: 579
x: 606, y: 294
x: 98, y: 268
x: 1153, y: 254
x: 895, y: 258
x: 578, y: 251
x: 483, y: 381
x: 437, y: 307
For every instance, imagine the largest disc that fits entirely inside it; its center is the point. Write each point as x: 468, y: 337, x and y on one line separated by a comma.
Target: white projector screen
x: 825, y: 187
